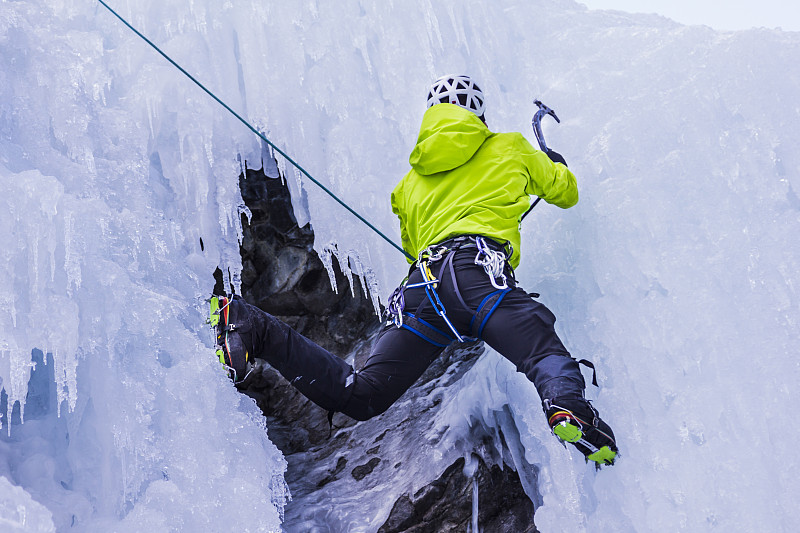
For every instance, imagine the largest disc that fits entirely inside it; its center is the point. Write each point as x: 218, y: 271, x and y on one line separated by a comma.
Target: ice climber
x: 460, y: 207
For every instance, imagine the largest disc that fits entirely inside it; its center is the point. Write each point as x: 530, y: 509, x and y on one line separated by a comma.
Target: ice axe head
x: 537, y: 122
x: 544, y: 110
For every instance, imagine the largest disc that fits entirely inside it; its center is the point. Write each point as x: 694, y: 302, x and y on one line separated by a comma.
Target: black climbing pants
x: 519, y: 328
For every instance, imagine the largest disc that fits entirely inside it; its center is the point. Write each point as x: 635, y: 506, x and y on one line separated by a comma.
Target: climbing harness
x: 493, y: 262
x: 254, y: 130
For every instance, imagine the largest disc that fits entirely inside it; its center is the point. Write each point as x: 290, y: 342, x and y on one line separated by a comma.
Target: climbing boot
x: 576, y: 421
x: 228, y: 316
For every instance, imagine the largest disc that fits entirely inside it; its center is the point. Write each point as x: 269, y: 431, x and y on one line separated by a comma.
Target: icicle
x: 327, y: 262
x: 71, y: 256
x: 475, y: 503
x: 242, y: 210
x: 270, y: 163
x: 345, y: 266
x: 279, y: 493
x: 369, y: 282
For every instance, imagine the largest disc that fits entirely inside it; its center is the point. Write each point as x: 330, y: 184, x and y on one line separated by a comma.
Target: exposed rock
x: 446, y: 504
x: 361, y: 471
x: 283, y: 275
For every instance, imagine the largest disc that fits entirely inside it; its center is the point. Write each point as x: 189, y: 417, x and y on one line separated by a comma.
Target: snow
x: 677, y: 272
x: 20, y: 513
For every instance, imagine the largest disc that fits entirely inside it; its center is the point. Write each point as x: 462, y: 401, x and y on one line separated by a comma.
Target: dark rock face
x: 445, y: 505
x: 283, y: 275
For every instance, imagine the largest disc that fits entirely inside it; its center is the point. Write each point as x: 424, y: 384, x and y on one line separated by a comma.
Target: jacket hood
x: 448, y: 137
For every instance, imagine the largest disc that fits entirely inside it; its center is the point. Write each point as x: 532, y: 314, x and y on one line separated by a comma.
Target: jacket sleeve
x: 552, y: 182
x: 397, y: 209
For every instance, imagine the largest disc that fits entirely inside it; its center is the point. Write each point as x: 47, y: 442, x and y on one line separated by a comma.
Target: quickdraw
x: 430, y: 283
x: 397, y: 301
x: 493, y: 262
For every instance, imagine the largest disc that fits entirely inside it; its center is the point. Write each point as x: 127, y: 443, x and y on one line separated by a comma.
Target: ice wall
x: 112, y: 170
x: 676, y: 273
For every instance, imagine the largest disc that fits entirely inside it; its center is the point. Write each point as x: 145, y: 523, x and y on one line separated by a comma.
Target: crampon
x: 230, y: 348
x: 578, y: 423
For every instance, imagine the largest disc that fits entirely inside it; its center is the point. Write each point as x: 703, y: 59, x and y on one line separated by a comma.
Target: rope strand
x: 261, y: 135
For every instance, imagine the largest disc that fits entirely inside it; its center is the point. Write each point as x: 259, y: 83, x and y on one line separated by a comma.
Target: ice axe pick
x: 537, y: 123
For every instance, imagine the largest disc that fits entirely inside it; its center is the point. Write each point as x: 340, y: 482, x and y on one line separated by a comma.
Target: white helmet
x: 459, y: 90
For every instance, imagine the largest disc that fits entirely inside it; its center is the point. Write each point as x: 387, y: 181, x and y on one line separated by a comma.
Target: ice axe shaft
x: 537, y: 123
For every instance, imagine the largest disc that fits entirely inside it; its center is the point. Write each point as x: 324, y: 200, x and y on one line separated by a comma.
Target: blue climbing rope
x: 261, y: 135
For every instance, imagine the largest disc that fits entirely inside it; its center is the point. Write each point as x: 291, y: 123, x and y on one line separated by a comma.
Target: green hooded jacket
x: 466, y: 180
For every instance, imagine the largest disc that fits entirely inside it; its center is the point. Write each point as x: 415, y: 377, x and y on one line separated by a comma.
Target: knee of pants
x: 366, y: 400
x: 361, y: 412
x: 398, y: 359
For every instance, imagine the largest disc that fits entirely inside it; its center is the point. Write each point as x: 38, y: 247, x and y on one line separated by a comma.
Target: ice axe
x: 537, y: 130
x: 537, y: 123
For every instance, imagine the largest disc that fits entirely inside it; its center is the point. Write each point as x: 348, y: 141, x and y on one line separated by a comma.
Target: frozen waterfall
x: 677, y: 272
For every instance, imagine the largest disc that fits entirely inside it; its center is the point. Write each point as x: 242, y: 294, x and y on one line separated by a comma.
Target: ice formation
x: 677, y: 272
